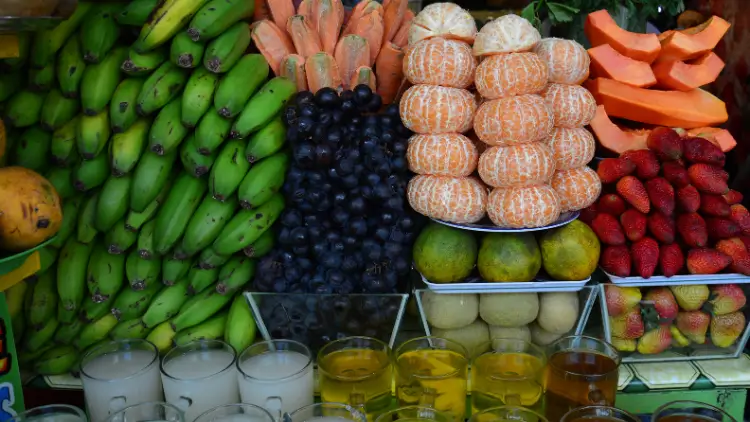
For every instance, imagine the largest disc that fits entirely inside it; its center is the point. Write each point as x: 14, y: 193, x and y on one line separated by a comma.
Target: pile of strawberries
x: 669, y: 209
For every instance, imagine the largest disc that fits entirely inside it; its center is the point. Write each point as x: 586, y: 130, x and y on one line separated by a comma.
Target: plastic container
x: 488, y: 227
x: 476, y: 285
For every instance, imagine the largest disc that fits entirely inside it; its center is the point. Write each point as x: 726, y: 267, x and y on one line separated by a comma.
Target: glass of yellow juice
x: 431, y: 371
x: 511, y: 373
x: 507, y: 414
x: 356, y: 371
x: 415, y: 414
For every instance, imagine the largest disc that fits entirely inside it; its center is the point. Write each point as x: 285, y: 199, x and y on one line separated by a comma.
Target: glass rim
x: 464, y: 355
x: 48, y: 408
x: 600, y: 407
x: 541, y: 417
x: 236, y: 405
x: 492, y: 351
x: 383, y: 366
x: 201, y: 343
x: 413, y: 407
x: 239, y: 359
x: 351, y: 409
x: 146, y: 403
x: 665, y: 406
x: 617, y: 359
x: 90, y: 355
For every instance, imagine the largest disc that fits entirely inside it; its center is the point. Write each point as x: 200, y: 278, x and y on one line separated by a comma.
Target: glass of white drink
x: 150, y: 411
x: 238, y: 412
x: 200, y: 375
x: 326, y: 412
x: 415, y: 414
x: 277, y: 375
x: 119, y: 374
x: 51, y: 413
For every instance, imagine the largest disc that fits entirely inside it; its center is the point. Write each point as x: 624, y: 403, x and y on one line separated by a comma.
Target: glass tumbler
x: 51, y: 413
x: 599, y: 413
x: 690, y: 411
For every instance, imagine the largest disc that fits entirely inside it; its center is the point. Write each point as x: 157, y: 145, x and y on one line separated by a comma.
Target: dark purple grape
x: 304, y: 97
x: 358, y: 206
x: 327, y: 97
x: 299, y: 236
x: 304, y: 154
x: 323, y: 155
x: 362, y: 94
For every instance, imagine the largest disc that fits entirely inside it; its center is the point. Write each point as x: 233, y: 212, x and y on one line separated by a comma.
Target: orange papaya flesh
x: 685, y: 109
x: 684, y: 76
x: 272, y: 42
x: 322, y: 71
x: 606, y: 62
x: 293, y: 68
x: 693, y: 42
x: 352, y: 51
x: 600, y: 29
x: 614, y: 139
x: 720, y: 137
x: 364, y: 75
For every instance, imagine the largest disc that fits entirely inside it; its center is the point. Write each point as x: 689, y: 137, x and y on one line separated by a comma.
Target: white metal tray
x: 679, y: 279
x: 564, y: 219
x: 479, y: 286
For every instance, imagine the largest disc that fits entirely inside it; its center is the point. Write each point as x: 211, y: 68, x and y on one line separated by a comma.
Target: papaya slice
x: 693, y: 42
x: 720, y: 137
x: 322, y: 71
x: 293, y: 68
x: 684, y: 76
x: 606, y: 62
x: 352, y: 51
x: 686, y: 109
x: 614, y: 139
x: 305, y: 39
x: 364, y: 75
x: 600, y: 29
x: 272, y: 42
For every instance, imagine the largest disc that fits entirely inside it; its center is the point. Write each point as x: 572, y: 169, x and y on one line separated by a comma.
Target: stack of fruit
x: 652, y: 320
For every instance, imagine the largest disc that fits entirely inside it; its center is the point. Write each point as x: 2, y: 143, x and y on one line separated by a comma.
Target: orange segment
x: 517, y: 165
x: 577, y: 188
x: 437, y: 109
x: 567, y: 61
x: 454, y: 199
x: 513, y: 120
x: 440, y: 62
x: 571, y: 147
x: 505, y: 75
x: 572, y: 105
x: 445, y: 154
x: 528, y: 206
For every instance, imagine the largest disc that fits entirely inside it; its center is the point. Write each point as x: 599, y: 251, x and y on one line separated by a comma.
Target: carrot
x: 272, y: 42
x: 370, y: 27
x: 401, y: 38
x: 261, y: 10
x: 327, y: 17
x: 322, y: 71
x: 363, y: 75
x: 304, y: 9
x: 389, y: 71
x: 394, y: 12
x: 358, y: 12
x: 281, y: 11
x: 352, y: 52
x: 305, y: 39
x: 293, y: 68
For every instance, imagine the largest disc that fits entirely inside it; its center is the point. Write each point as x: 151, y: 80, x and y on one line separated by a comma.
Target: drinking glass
x: 326, y: 412
x: 511, y: 373
x: 356, y: 371
x: 507, y: 414
x: 415, y: 414
x: 200, y: 375
x: 51, y: 413
x: 431, y: 371
x: 276, y: 375
x: 690, y: 411
x: 581, y: 371
x: 599, y: 414
x: 118, y: 374
x: 237, y: 412
x: 151, y: 411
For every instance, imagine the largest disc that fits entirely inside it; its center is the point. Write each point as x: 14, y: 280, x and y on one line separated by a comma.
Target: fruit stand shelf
x: 480, y: 286
x: 679, y: 280
x: 488, y: 227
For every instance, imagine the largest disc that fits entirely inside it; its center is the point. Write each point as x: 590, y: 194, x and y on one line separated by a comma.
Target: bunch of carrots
x: 318, y: 45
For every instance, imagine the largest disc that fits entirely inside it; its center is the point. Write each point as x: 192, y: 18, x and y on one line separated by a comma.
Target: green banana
x: 174, y: 214
x: 161, y: 336
x: 135, y: 220
x: 262, y: 246
x: 24, y: 48
x: 206, y: 223
x: 43, y: 300
x: 199, y: 308
x: 100, y: 81
x: 217, y: 16
x: 210, y: 259
x: 15, y: 296
x: 63, y: 143
x: 263, y: 106
x: 129, y: 329
x: 105, y: 274
x: 95, y: 332
x: 240, y: 327
x: 248, y: 225
x: 10, y: 83
x: 193, y: 162
x: 239, y: 84
x: 225, y: 50
x: 263, y: 180
x: 167, y: 130
x: 198, y: 95
x: 90, y: 174
x: 67, y: 332
x: 57, y: 110
x: 127, y: 147
x: 166, y: 303
x: 56, y: 361
x: 168, y: 18
x: 27, y: 358
x: 42, y: 79
x: 33, y: 148
x: 48, y: 41
x: 228, y: 170
x: 149, y: 178
x: 24, y: 108
x: 70, y: 218
x: 161, y: 87
x: 136, y: 12
x: 211, y: 329
x: 47, y: 258
x: 112, y: 205
x: 211, y: 132
x: 184, y: 52
x: 119, y: 238
x: 36, y: 339
x: 173, y: 270
x: 99, y: 32
x: 71, y: 278
x: 235, y: 274
x: 122, y: 112
x: 86, y: 227
x: 69, y: 67
x: 131, y: 303
x: 200, y: 279
x: 141, y: 273
x: 141, y: 64
x: 146, y: 241
x: 60, y: 178
x: 92, y: 310
x: 93, y: 134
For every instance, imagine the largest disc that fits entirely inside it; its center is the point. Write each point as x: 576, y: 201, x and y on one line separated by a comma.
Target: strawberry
x: 611, y: 170
x: 733, y: 197
x: 624, y: 344
x: 706, y: 261
x: 645, y: 253
x: 587, y: 214
x: 692, y: 229
x: 634, y: 224
x: 746, y: 241
x: 633, y: 191
x: 714, y: 205
x: 688, y: 199
x: 726, y: 298
x: 655, y: 341
x: 671, y: 259
x: 690, y: 297
x: 740, y: 215
x: 612, y: 204
x: 664, y: 303
x: 693, y: 324
x: 646, y: 164
x: 678, y: 339
x: 726, y: 329
x: 615, y: 259
x: 700, y: 150
x: 722, y: 228
x: 628, y: 325
x: 608, y: 229
x: 666, y: 144
x: 675, y: 173
x: 661, y: 194
x: 736, y: 249
x: 621, y: 299
x: 661, y: 227
x: 707, y: 178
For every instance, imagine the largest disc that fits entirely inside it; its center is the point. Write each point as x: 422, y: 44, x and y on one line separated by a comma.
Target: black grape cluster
x: 347, y: 227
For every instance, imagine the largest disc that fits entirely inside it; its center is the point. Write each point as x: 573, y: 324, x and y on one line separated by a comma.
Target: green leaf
x: 529, y: 13
x: 560, y: 12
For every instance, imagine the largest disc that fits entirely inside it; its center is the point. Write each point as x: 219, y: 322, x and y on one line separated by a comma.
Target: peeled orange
x: 446, y: 20
x: 567, y: 61
x: 437, y: 109
x: 528, y: 206
x: 513, y: 120
x: 440, y: 62
x: 517, y: 165
x: 454, y: 199
x: 504, y: 75
x: 572, y: 105
x: 444, y: 154
x: 506, y: 34
x: 577, y: 188
x: 571, y: 148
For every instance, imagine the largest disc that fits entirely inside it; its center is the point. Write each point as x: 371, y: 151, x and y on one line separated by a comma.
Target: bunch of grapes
x: 347, y: 227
